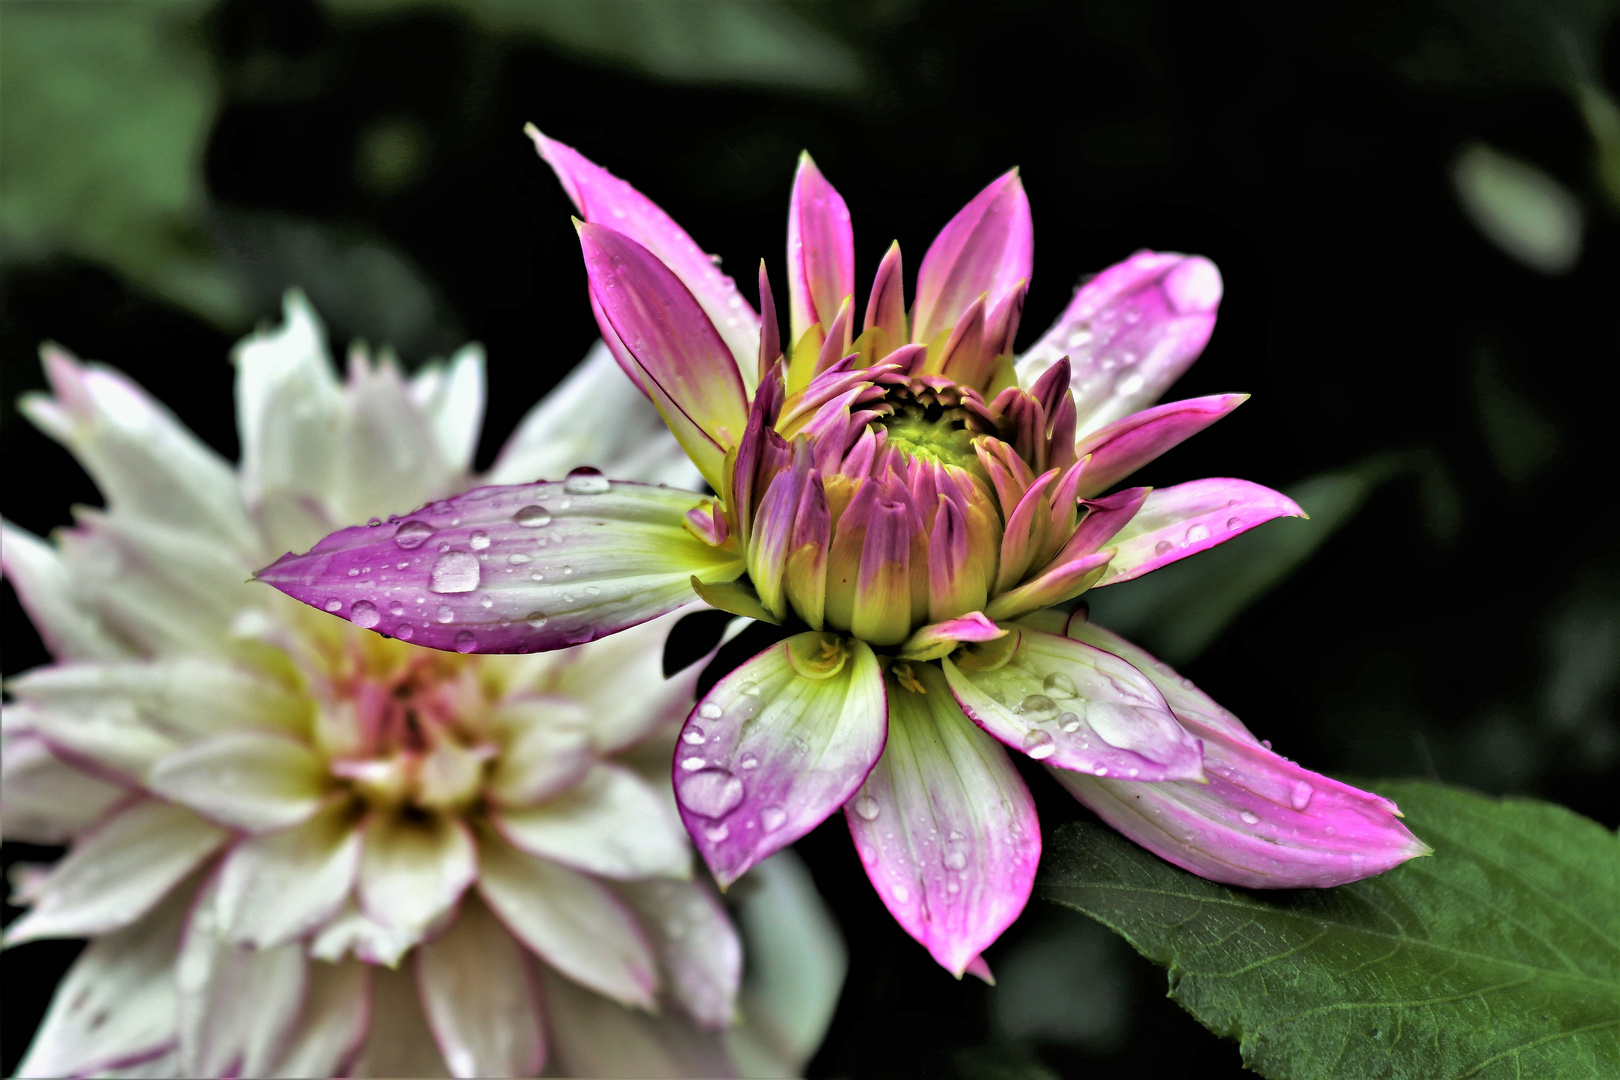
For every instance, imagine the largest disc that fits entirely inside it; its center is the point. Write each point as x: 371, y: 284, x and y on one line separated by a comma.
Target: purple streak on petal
x: 887, y: 306
x: 603, y: 198
x: 1179, y: 521
x: 516, y: 568
x: 945, y: 826
x: 1126, y: 445
x: 821, y: 250
x: 769, y: 753
x: 1104, y: 518
x: 770, y: 331
x: 1075, y: 706
x: 986, y: 248
x: 1130, y: 332
x: 1001, y: 324
x: 616, y: 348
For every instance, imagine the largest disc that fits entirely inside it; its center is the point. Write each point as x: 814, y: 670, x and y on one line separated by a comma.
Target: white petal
x: 332, y: 1024
x: 44, y: 800
x: 388, y: 456
x: 597, y: 1037
x: 411, y: 872
x: 118, y: 871
x: 275, y: 888
x: 452, y: 399
x: 478, y: 991
x: 253, y: 780
x: 612, y: 823
x: 400, y: 1042
x: 116, y: 1002
x: 620, y: 680
x: 565, y: 431
x: 352, y: 930
x: 236, y: 1005
x: 141, y: 457
x: 699, y: 952
x: 160, y: 1066
x: 64, y: 617
x: 577, y: 925
x: 114, y: 739
x: 547, y: 748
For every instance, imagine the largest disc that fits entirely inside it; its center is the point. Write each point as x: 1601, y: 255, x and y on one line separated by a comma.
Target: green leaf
x: 1499, y: 956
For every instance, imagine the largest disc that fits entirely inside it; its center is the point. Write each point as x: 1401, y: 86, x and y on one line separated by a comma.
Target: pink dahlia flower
x: 301, y: 849
x: 909, y: 502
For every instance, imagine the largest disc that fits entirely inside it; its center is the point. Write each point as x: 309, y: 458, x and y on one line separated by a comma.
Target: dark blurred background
x: 1413, y: 204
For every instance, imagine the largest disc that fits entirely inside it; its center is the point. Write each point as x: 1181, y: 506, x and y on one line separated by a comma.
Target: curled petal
x: 613, y: 824
x: 944, y: 825
x: 777, y: 746
x: 821, y: 250
x: 1179, y: 521
x: 481, y: 998
x: 1262, y: 821
x: 525, y: 568
x: 940, y: 639
x: 1125, y: 446
x: 986, y: 248
x: 1073, y: 705
x: 1130, y: 332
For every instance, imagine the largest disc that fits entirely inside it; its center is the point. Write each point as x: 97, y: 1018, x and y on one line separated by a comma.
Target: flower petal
x: 612, y: 823
x: 117, y: 872
x: 699, y: 953
x: 1130, y: 332
x: 389, y: 453
x: 399, y: 1041
x: 944, y: 825
x: 1126, y: 445
x: 50, y: 592
x: 821, y: 250
x: 602, y: 198
x: 1176, y: 522
x: 986, y: 248
x: 1073, y: 705
x: 596, y: 1037
x: 43, y: 799
x: 478, y: 991
x: 275, y: 888
x: 777, y: 746
x: 620, y: 682
x: 412, y: 871
x: 112, y: 739
x: 332, y: 1024
x: 513, y: 569
x: 252, y: 780
x: 116, y: 1003
x: 940, y: 639
x: 547, y: 748
x: 576, y: 924
x: 450, y: 397
x: 371, y: 942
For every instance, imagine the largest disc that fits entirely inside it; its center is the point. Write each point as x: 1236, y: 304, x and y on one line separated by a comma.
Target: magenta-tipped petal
x: 1126, y: 445
x: 777, y: 746
x: 604, y: 199
x: 940, y: 639
x: 1179, y: 521
x: 821, y: 250
x: 944, y: 825
x: 1130, y: 332
x: 986, y: 248
x: 1075, y: 706
x: 1262, y: 821
x: 517, y: 568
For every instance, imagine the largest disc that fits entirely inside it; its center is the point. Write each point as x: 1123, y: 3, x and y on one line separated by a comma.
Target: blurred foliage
x: 1496, y: 957
x: 1523, y: 210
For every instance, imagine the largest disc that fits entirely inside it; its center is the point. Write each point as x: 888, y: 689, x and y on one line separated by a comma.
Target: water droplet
x: 749, y: 689
x: 717, y: 833
x: 1301, y: 797
x: 537, y: 576
x: 518, y: 560
x: 592, y: 590
x: 404, y: 631
x: 1250, y: 819
x: 867, y: 807
x: 396, y: 608
x: 402, y: 564
x: 353, y: 572
x: 714, y: 793
x: 532, y: 516
x: 693, y: 735
x: 444, y: 614
x: 1038, y: 745
x: 1101, y: 770
x: 1133, y: 772
x: 1059, y: 685
x: 1234, y: 523
x: 478, y: 541
x: 536, y: 619
x: 901, y: 894
x: 868, y: 854
x: 1162, y: 547
x: 772, y: 818
x: 1079, y: 337
x: 710, y: 711
x: 586, y: 481
x: 693, y: 763
x: 1037, y: 708
x: 455, y: 572
x: 952, y: 887
x: 955, y: 837
x: 334, y: 605
x: 1266, y: 743
x: 749, y: 761
x: 955, y: 860
x: 1130, y: 384
x: 373, y: 523
x: 486, y: 602
x: 1069, y: 722
x: 1197, y: 534
x: 465, y: 642
x: 413, y: 534
x: 364, y: 614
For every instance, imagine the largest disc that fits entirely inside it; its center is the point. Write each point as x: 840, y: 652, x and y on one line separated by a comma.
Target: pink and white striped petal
x: 331, y: 1025
x: 523, y: 568
x: 1073, y: 705
x: 944, y: 825
x: 1176, y: 522
x: 776, y: 747
x: 1262, y: 821
x: 481, y: 997
x: 602, y: 198
x: 258, y: 781
x: 699, y: 953
x: 986, y: 248
x: 612, y: 823
x: 413, y: 871
x: 276, y: 888
x: 1129, y: 333
x: 821, y: 250
x: 1126, y: 445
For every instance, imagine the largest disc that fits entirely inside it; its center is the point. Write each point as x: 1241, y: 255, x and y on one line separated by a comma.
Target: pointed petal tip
x: 1194, y: 287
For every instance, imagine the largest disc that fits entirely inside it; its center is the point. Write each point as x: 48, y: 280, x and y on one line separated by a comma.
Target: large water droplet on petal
x: 455, y: 572
x: 693, y: 736
x: 1037, y: 708
x: 713, y: 793
x: 901, y: 894
x: 532, y: 517
x: 955, y: 860
x: 867, y: 807
x: 396, y: 608
x: 444, y: 614
x: 413, y: 534
x: 1302, y: 795
x: 1059, y: 685
x: 772, y: 818
x: 478, y: 541
x: 586, y: 481
x: 536, y: 619
x: 717, y: 833
x: 466, y: 642
x: 1197, y: 534
x: 333, y: 604
x: 404, y: 631
x: 1038, y: 745
x: 710, y: 711
x: 364, y: 614
x: 1162, y: 547
x: 1249, y: 819
x: 1069, y: 722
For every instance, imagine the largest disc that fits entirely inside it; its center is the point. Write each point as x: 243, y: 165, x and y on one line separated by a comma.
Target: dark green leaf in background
x: 1499, y: 956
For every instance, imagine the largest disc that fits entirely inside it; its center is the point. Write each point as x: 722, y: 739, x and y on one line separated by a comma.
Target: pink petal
x: 986, y: 248
x: 603, y: 198
x: 821, y: 250
x: 1130, y: 332
x: 939, y: 639
x: 1179, y: 521
x: 558, y: 564
x: 1125, y: 446
x: 1075, y: 706
x: 1261, y: 821
x: 944, y: 825
x: 480, y: 996
x: 770, y: 752
x: 886, y: 308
